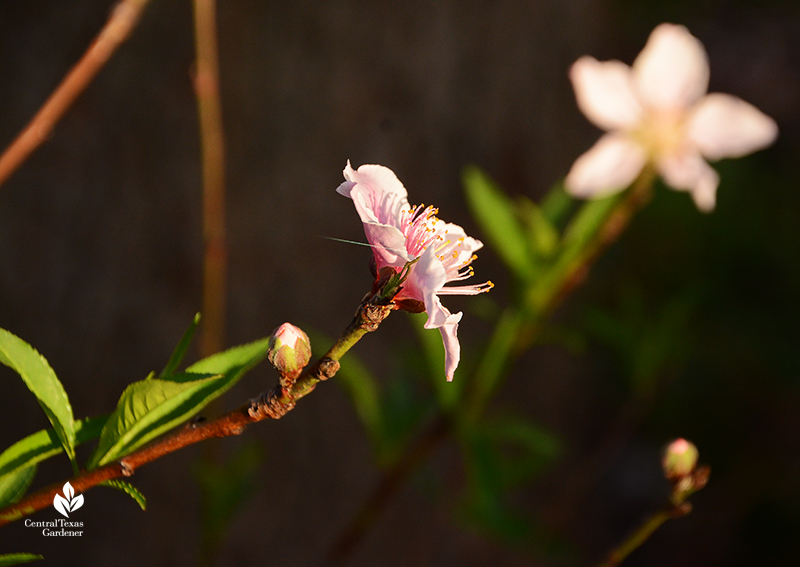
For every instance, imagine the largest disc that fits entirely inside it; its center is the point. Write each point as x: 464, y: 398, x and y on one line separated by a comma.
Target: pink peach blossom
x: 399, y: 233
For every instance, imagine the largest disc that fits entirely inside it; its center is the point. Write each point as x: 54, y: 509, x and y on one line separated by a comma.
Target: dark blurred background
x: 101, y: 257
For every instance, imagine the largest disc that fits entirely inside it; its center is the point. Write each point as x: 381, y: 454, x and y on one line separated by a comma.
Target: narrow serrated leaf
x: 128, y: 489
x: 40, y: 378
x: 496, y: 214
x: 152, y: 407
x: 14, y: 485
x: 180, y: 350
x: 143, y: 406
x: 45, y: 443
x: 9, y: 559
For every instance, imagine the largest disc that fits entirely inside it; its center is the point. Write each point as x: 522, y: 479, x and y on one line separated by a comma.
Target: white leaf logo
x: 68, y: 504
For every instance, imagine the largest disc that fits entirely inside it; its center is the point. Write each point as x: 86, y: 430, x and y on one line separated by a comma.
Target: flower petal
x: 605, y: 93
x: 671, y: 72
x: 452, y: 348
x: 427, y: 277
x: 726, y: 126
x: 608, y: 167
x: 388, y: 245
x: 376, y: 192
x: 688, y: 171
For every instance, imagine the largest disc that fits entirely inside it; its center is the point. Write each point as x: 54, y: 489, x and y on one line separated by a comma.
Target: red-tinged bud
x: 680, y: 459
x: 289, y: 349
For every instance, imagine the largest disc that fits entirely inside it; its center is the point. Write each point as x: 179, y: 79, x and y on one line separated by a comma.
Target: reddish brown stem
x: 123, y: 19
x: 272, y: 405
x: 212, y: 142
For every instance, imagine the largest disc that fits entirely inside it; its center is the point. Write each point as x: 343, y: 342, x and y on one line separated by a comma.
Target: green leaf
x: 542, y: 235
x: 180, y: 350
x: 501, y: 453
x: 447, y: 393
x: 128, y: 489
x: 225, y: 488
x: 146, y: 409
x: 587, y: 221
x: 41, y: 380
x: 361, y: 386
x: 9, y: 559
x: 152, y: 407
x: 556, y: 204
x: 44, y: 444
x: 14, y: 485
x: 496, y: 214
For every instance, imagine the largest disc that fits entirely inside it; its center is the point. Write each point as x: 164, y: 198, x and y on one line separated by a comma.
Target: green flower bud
x: 289, y: 349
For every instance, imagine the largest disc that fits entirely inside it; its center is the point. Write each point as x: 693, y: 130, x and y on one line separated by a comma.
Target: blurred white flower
x: 658, y: 111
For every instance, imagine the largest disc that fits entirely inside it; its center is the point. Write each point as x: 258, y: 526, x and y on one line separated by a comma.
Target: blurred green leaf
x: 13, y: 485
x: 225, y: 487
x: 496, y: 214
x: 556, y: 204
x: 9, y: 559
x: 448, y: 393
x: 586, y: 222
x: 45, y: 443
x: 495, y: 358
x: 361, y: 386
x: 501, y: 453
x: 646, y: 342
x: 128, y: 489
x: 42, y: 381
x: 542, y: 235
x: 180, y: 350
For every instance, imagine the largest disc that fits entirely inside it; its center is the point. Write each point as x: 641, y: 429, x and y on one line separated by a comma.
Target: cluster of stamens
x: 418, y: 224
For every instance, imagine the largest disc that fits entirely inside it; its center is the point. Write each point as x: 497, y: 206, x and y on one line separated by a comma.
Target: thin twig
x: 273, y: 405
x: 122, y: 20
x: 212, y: 142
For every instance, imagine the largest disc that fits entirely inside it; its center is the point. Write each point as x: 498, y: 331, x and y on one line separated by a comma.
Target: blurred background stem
x: 124, y: 18
x: 212, y: 143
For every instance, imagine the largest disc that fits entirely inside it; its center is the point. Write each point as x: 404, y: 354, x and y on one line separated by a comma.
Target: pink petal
x: 671, y: 72
x: 426, y: 279
x: 688, y: 171
x: 452, y: 348
x: 605, y: 93
x: 388, y: 245
x: 376, y: 192
x: 608, y: 167
x: 726, y: 126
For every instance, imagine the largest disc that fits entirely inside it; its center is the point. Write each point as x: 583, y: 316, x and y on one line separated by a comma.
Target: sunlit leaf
x: 42, y: 381
x: 128, y: 489
x: 45, y: 443
x: 8, y: 559
x: 177, y: 355
x: 152, y: 407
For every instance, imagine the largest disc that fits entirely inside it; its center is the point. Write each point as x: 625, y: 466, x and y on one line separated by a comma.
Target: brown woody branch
x: 272, y: 405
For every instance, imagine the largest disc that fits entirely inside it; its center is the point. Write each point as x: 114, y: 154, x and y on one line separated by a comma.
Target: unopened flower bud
x: 680, y: 459
x: 289, y: 349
